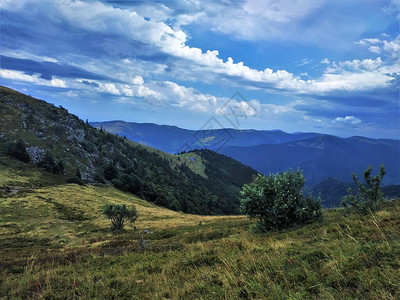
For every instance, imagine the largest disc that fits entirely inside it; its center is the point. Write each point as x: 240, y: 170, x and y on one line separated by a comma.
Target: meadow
x: 56, y: 244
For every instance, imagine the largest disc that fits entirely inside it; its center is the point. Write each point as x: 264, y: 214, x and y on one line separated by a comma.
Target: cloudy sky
x: 298, y: 65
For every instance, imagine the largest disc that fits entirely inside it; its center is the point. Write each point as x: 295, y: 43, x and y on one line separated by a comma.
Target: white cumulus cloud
x: 352, y: 120
x: 35, y: 78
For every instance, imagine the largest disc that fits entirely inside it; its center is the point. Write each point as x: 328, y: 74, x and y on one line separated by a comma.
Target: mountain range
x: 173, y: 139
x: 320, y: 156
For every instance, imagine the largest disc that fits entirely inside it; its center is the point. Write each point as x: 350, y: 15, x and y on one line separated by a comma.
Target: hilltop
x: 204, y: 182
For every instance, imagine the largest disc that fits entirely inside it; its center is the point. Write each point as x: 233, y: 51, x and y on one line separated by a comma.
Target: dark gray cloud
x: 48, y: 69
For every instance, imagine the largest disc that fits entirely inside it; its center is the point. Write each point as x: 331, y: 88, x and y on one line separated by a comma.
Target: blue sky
x: 299, y: 65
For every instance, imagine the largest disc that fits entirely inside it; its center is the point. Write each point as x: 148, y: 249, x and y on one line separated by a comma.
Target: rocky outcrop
x: 35, y: 153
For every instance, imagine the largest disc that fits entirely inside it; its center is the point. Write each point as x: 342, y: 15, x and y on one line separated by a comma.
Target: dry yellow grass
x: 40, y: 213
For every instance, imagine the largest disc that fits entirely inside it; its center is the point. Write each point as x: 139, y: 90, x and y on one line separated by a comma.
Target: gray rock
x: 35, y: 153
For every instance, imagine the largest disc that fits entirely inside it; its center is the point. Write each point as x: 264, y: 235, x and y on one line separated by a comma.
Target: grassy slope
x: 54, y: 241
x: 16, y: 176
x: 195, y: 163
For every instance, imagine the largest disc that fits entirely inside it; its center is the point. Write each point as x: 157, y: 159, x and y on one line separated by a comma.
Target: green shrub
x: 17, y: 149
x: 50, y: 165
x: 110, y: 172
x: 118, y: 214
x: 99, y: 177
x: 277, y: 201
x: 369, y: 197
x: 77, y: 178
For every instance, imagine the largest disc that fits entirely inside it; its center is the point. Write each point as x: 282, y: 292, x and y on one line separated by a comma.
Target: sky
x: 295, y: 65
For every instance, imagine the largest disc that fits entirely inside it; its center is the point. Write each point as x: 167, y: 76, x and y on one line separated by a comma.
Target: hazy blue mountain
x: 173, y: 139
x: 162, y: 137
x: 323, y: 157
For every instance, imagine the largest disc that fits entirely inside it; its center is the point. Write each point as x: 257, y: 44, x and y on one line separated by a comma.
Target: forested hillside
x: 60, y: 142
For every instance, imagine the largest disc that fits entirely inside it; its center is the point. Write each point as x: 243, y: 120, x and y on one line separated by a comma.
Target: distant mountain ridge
x: 323, y: 157
x: 320, y: 156
x: 173, y: 139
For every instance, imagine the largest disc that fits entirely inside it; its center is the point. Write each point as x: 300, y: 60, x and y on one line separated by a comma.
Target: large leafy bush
x: 277, y: 201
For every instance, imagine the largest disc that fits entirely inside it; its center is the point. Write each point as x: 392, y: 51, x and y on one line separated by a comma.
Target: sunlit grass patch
x: 195, y: 163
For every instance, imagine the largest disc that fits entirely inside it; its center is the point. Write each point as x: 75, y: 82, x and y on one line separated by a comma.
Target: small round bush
x: 118, y: 214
